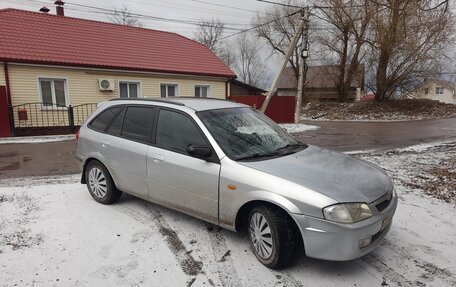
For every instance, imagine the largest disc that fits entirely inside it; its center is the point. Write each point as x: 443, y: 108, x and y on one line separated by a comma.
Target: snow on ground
x: 298, y: 128
x: 428, y: 168
x: 65, y: 238
x: 37, y: 139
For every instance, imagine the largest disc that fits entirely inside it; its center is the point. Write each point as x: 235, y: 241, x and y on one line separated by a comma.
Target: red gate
x: 281, y: 108
x: 5, y: 128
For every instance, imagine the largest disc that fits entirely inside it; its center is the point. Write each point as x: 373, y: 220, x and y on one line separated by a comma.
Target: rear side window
x: 137, y: 123
x: 116, y: 126
x: 104, y: 118
x: 176, y: 132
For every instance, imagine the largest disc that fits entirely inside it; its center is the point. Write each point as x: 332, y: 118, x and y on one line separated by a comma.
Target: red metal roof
x: 32, y: 37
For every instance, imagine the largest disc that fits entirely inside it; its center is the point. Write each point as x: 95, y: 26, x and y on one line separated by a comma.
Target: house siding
x: 2, y: 76
x: 83, y: 84
x: 82, y: 87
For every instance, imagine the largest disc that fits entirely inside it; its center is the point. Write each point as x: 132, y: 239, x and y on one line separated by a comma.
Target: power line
x: 259, y: 25
x: 280, y: 4
x: 186, y: 7
x: 225, y: 6
x: 139, y: 15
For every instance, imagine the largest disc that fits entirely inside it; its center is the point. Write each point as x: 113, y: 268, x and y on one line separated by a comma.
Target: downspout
x: 8, y: 90
x: 228, y: 88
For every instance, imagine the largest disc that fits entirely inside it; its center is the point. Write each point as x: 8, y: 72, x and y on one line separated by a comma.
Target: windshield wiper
x: 291, y: 146
x: 258, y: 155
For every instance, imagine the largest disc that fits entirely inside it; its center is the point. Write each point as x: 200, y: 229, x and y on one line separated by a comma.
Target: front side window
x: 202, y: 91
x: 138, y: 123
x: 168, y: 90
x: 246, y: 134
x: 176, y: 132
x: 129, y: 89
x: 439, y: 90
x: 53, y: 92
x: 104, y: 118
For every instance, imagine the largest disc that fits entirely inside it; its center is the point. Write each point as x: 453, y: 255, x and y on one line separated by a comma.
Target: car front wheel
x: 273, y: 237
x: 100, y: 184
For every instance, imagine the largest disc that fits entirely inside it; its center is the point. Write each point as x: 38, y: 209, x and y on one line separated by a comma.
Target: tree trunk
x: 382, y: 77
x: 341, y: 88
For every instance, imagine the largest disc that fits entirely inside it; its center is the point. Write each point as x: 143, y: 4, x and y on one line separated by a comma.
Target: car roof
x: 197, y: 104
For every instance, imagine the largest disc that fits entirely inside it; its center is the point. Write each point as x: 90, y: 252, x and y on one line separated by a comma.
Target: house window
x: 168, y: 90
x: 53, y: 92
x: 426, y: 91
x: 129, y: 89
x: 439, y: 90
x: 202, y: 91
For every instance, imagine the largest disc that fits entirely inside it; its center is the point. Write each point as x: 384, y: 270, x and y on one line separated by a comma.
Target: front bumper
x: 328, y: 240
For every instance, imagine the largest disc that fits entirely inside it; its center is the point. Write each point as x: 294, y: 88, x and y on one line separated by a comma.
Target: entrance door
x: 5, y: 129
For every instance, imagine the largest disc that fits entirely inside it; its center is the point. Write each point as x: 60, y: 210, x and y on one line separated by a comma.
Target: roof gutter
x: 8, y: 89
x: 117, y: 69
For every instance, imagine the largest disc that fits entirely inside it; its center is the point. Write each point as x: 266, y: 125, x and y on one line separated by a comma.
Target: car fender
x: 228, y: 215
x: 99, y: 157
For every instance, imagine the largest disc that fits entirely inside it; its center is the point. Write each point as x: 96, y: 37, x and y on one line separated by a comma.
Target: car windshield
x: 246, y: 134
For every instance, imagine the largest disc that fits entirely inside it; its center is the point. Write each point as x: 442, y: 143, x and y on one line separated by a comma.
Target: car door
x: 125, y: 145
x: 177, y: 179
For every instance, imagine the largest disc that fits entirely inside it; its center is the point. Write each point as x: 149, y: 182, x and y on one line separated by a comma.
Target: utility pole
x: 293, y: 43
x: 304, y: 53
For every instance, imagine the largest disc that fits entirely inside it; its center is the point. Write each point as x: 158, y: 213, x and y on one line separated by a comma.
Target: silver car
x: 230, y: 165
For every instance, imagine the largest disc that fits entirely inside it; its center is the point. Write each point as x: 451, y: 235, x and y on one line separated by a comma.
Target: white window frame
x: 139, y: 83
x: 209, y: 89
x: 54, y: 102
x: 439, y: 90
x: 169, y: 84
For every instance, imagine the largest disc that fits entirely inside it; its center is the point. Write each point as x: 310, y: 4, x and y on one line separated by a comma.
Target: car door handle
x: 157, y: 158
x: 104, y: 144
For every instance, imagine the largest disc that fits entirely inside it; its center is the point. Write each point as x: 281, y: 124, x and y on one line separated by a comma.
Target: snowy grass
x: 425, y: 168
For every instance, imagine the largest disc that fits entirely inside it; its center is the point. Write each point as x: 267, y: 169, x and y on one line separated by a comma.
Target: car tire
x: 100, y: 184
x: 273, y: 236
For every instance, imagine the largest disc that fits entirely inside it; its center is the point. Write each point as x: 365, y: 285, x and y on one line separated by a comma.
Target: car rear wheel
x: 273, y: 237
x: 100, y: 184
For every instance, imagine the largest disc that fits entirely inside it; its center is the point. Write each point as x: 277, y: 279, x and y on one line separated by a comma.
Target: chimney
x: 44, y: 10
x: 59, y: 8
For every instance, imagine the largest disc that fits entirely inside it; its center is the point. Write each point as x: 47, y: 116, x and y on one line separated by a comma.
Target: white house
x: 438, y: 90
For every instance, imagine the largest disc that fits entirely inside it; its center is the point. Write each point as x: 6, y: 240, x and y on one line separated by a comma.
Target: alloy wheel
x: 97, y: 182
x: 261, y: 236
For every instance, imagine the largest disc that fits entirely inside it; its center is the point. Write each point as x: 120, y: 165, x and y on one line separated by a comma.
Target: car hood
x: 336, y: 175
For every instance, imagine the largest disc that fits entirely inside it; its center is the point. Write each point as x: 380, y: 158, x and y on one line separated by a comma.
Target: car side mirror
x: 202, y: 152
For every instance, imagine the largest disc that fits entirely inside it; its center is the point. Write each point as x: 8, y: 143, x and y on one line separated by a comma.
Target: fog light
x: 364, y: 242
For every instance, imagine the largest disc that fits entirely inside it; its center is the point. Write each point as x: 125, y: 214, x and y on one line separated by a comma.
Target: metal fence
x: 41, y: 118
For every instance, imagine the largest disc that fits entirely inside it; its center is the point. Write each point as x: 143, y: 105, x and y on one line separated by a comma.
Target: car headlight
x: 347, y: 212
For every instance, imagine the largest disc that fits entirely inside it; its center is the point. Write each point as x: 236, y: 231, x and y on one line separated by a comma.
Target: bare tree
x: 123, y: 16
x: 345, y: 38
x: 208, y: 33
x: 408, y: 39
x: 248, y: 63
x: 279, y: 30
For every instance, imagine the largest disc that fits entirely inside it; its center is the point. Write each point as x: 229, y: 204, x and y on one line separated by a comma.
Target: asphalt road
x: 351, y: 136
x: 57, y: 158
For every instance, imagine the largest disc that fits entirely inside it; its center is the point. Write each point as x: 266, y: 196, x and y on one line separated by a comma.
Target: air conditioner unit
x: 106, y: 84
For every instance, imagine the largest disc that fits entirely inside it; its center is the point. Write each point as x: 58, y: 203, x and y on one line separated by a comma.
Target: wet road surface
x: 38, y: 159
x: 351, y: 136
x: 57, y: 158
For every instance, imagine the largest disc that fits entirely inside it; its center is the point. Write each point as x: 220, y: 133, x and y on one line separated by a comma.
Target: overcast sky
x: 192, y: 10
